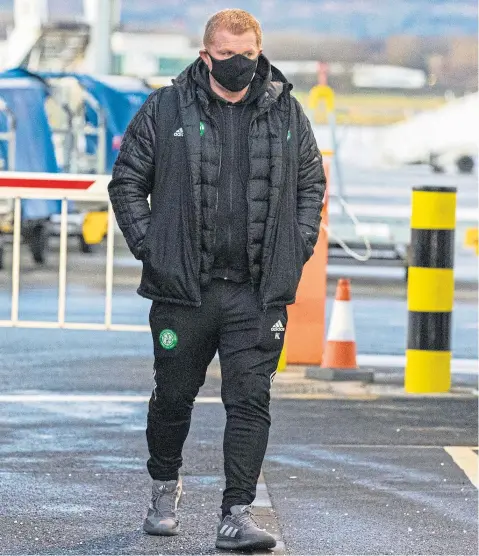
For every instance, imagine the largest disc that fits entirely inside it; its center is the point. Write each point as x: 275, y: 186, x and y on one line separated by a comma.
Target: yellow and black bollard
x: 430, y: 290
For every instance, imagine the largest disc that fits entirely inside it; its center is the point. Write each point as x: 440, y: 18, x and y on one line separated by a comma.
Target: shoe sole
x: 241, y: 545
x: 161, y: 532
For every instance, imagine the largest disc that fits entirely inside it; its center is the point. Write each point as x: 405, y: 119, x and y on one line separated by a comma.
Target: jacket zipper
x: 232, y: 152
x: 254, y: 117
x: 215, y: 123
x: 246, y: 186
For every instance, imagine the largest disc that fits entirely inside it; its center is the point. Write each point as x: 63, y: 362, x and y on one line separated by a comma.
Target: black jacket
x: 175, y: 239
x: 233, y: 120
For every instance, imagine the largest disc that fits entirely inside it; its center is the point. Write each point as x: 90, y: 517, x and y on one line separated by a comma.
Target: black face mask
x: 234, y: 73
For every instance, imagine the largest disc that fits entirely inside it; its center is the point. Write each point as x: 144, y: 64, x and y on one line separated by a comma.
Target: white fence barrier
x: 66, y: 187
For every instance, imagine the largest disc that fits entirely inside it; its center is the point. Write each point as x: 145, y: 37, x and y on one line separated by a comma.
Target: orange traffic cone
x: 339, y: 358
x: 340, y: 352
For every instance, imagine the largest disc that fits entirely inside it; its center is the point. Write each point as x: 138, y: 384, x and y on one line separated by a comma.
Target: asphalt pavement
x: 344, y: 474
x: 349, y: 469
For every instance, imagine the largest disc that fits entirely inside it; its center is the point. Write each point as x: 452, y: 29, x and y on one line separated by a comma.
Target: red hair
x: 235, y: 21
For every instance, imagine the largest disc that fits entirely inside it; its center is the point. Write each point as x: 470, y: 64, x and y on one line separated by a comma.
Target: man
x: 236, y: 184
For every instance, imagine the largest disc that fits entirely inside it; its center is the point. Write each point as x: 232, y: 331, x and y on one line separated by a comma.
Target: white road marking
x: 138, y: 398
x: 87, y: 398
x: 467, y: 460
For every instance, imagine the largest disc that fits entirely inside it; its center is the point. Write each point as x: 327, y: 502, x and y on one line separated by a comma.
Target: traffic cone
x: 339, y: 358
x: 340, y: 352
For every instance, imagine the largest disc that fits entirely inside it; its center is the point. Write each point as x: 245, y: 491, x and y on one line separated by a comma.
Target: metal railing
x: 96, y: 192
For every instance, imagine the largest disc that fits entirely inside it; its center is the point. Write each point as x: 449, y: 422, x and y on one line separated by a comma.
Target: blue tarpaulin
x: 120, y: 97
x: 25, y: 95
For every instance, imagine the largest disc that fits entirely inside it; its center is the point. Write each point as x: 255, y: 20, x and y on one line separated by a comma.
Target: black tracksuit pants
x: 249, y: 342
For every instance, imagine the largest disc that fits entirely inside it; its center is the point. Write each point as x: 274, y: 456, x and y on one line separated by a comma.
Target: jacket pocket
x: 304, y: 247
x: 169, y: 269
x: 142, y: 251
x: 168, y: 263
x: 289, y: 253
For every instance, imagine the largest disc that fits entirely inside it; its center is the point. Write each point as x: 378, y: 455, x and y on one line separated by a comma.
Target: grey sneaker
x: 161, y: 518
x: 240, y: 531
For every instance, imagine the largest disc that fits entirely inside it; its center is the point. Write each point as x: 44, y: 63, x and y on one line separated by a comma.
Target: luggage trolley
x: 29, y: 143
x: 88, y: 152
x: 102, y: 108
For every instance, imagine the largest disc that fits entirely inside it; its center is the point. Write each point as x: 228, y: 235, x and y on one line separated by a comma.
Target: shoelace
x: 246, y: 517
x: 168, y: 511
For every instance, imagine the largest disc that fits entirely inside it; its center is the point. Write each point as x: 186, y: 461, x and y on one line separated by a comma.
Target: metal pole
x: 100, y: 14
x: 337, y: 163
x: 101, y: 142
x: 325, y: 95
x: 431, y: 290
x: 12, y: 142
x: 109, y: 266
x: 17, y: 230
x: 62, y: 274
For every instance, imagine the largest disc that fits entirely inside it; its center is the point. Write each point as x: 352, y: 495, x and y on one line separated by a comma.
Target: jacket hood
x: 268, y: 83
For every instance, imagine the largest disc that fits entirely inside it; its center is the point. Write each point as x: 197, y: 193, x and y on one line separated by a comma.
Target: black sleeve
x: 133, y: 175
x: 311, y: 182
